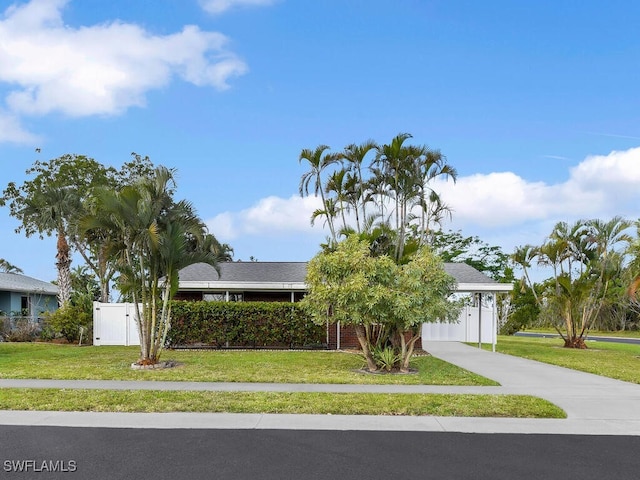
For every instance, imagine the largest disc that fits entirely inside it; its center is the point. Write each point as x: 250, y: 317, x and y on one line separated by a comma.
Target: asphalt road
x: 285, y: 454
x: 634, y: 341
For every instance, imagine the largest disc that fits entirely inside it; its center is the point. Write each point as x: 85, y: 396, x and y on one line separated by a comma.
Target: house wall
x: 12, y: 302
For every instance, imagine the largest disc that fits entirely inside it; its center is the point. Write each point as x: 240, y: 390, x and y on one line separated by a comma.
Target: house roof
x: 471, y: 280
x: 291, y: 276
x: 14, y: 282
x: 262, y: 272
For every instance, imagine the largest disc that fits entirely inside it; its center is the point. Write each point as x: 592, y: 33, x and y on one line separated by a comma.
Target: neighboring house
x: 26, y: 296
x: 285, y: 281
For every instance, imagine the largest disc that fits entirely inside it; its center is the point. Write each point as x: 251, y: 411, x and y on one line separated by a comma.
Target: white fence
x: 115, y: 324
x: 466, y: 329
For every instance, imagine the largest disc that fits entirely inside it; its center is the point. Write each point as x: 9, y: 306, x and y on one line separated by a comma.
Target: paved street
x: 297, y: 454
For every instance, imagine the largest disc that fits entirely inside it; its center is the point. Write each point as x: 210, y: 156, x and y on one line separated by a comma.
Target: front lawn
x: 50, y: 361
x: 615, y: 360
x: 517, y: 406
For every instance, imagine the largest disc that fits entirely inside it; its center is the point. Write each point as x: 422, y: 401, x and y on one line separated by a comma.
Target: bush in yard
x: 23, y: 330
x: 67, y: 321
x: 250, y: 324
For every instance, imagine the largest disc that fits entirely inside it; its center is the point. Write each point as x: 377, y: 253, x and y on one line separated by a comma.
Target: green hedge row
x: 243, y: 324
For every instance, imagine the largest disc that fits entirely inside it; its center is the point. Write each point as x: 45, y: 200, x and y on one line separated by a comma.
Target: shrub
x: 23, y: 330
x: 250, y: 324
x: 67, y: 320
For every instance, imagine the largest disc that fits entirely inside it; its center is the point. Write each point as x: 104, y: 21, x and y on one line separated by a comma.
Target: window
x: 213, y: 297
x: 25, y: 306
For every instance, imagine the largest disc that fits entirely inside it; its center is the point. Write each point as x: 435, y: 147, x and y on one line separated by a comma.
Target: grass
x: 518, y: 406
x: 592, y: 333
x: 615, y: 360
x: 50, y: 361
x: 63, y: 362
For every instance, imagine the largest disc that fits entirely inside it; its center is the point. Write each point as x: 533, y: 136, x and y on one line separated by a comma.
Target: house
x: 285, y: 281
x: 26, y: 296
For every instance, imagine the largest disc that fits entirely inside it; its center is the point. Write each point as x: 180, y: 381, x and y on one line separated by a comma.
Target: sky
x: 536, y: 104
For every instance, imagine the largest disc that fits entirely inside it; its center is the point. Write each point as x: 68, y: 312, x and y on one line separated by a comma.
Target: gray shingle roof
x: 14, y: 282
x: 295, y: 272
x: 255, y: 272
x: 464, y: 273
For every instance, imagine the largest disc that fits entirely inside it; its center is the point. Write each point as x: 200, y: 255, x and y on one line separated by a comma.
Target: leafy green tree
x: 95, y: 246
x: 374, y: 293
x: 153, y: 237
x: 59, y: 193
x: 50, y: 203
x: 490, y: 260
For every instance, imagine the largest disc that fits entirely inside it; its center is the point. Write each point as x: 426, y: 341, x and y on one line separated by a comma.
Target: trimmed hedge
x: 243, y: 324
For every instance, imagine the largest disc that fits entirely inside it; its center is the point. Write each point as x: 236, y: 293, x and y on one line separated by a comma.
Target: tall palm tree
x: 153, y: 237
x: 353, y: 157
x: 430, y: 165
x: 524, y: 256
x: 396, y: 163
x: 50, y: 210
x: 337, y: 185
x: 318, y: 162
x: 409, y: 171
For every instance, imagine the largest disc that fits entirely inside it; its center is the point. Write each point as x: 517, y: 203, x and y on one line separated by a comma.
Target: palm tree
x: 318, y: 161
x: 430, y: 165
x: 396, y: 163
x: 7, y: 267
x: 153, y: 238
x: 523, y: 256
x: 50, y: 210
x: 337, y: 184
x: 222, y: 251
x: 353, y: 156
x: 408, y: 171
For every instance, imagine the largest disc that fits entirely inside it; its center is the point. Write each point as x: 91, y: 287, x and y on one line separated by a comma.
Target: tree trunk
x: 362, y: 339
x: 63, y: 264
x: 407, y: 350
x: 575, y: 342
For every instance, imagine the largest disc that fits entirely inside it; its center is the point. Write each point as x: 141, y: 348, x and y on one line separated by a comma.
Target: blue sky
x: 535, y: 103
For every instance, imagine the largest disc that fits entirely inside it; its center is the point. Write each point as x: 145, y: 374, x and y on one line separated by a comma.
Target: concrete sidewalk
x: 594, y: 405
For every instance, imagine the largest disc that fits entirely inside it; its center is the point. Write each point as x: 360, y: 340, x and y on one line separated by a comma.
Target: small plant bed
x: 47, y: 361
x: 513, y: 406
x: 614, y: 360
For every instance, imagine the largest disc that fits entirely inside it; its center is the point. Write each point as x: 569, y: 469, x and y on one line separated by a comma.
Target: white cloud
x: 270, y: 216
x: 101, y: 69
x: 600, y: 186
x: 217, y: 7
x: 12, y: 131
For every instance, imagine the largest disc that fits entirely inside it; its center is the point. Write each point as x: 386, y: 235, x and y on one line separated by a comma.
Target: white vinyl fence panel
x: 466, y: 329
x: 115, y: 324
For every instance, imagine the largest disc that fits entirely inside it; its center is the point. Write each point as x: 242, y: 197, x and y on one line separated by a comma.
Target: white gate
x: 466, y: 329
x: 115, y: 324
